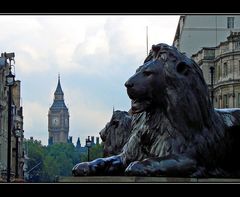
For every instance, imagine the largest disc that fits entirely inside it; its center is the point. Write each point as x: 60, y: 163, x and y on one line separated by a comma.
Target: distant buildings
x: 58, y: 122
x: 58, y: 118
x: 17, y: 152
x: 197, y: 31
x: 225, y: 58
x: 83, y: 149
x: 214, y: 41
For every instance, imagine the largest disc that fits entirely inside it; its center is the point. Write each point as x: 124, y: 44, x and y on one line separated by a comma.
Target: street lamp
x: 88, y: 145
x: 18, y: 133
x: 212, y: 71
x: 10, y: 79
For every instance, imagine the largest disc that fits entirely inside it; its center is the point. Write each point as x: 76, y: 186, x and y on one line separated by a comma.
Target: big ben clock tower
x: 58, y: 118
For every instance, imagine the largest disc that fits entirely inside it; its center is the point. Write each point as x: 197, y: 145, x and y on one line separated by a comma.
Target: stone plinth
x: 134, y: 179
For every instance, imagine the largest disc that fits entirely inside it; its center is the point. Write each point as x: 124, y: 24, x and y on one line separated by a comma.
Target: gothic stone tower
x: 58, y: 118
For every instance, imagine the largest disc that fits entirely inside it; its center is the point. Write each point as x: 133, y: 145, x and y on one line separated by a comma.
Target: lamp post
x: 88, y: 145
x: 18, y: 134
x: 9, y: 82
x: 212, y: 71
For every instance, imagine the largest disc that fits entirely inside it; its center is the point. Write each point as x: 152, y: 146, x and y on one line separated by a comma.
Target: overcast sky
x: 94, y: 54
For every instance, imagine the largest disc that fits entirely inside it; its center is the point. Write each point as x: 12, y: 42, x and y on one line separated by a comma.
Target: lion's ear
x: 182, y: 68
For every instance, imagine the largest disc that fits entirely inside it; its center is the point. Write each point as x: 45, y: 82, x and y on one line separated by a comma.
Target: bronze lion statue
x: 116, y: 132
x: 175, y: 130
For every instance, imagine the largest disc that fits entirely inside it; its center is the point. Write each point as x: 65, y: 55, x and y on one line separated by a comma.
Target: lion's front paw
x: 135, y: 168
x: 81, y: 169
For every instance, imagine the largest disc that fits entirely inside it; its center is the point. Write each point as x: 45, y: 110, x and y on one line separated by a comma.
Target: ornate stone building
x: 58, y: 118
x: 17, y: 152
x: 196, y: 31
x: 225, y: 58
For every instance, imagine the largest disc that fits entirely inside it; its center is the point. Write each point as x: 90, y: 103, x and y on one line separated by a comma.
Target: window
x: 225, y: 101
x: 237, y: 45
x: 230, y: 22
x: 219, y: 70
x: 239, y: 67
x: 238, y: 99
x: 219, y: 101
x: 66, y: 122
x: 216, y: 73
x: 230, y: 68
x: 225, y: 69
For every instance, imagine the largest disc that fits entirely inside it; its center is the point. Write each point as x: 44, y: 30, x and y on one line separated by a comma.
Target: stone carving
x: 116, y: 132
x: 175, y: 129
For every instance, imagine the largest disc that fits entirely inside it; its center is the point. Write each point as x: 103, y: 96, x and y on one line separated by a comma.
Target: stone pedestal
x: 134, y: 179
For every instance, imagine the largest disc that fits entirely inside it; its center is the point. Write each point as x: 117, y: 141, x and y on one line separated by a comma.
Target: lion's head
x: 116, y: 132
x: 172, y: 83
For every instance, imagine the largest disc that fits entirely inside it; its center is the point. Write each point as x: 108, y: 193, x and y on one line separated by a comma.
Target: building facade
x: 225, y: 58
x: 197, y: 31
x: 17, y: 150
x: 58, y: 118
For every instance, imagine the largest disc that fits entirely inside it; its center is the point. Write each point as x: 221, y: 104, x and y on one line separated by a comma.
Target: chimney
x: 70, y: 139
x: 78, y: 145
x: 92, y: 139
x: 97, y: 140
x: 50, y: 140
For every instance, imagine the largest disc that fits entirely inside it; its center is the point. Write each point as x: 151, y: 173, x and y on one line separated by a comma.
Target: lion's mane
x: 116, y: 133
x: 186, y: 123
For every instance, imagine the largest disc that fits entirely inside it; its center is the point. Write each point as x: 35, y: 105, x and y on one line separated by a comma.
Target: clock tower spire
x: 58, y: 118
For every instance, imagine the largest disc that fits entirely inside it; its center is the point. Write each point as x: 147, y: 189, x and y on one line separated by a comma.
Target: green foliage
x: 94, y: 153
x: 56, y: 160
x: 59, y: 160
x: 50, y: 169
x: 47, y: 162
x: 36, y: 157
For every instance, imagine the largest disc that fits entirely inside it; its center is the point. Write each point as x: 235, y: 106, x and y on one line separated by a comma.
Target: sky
x: 94, y: 55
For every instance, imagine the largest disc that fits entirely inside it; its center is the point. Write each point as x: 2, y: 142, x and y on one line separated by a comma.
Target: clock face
x: 55, y: 121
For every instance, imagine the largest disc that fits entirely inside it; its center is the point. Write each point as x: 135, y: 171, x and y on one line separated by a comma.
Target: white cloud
x: 87, y: 115
x: 95, y: 56
x: 35, y: 121
x: 121, y: 43
x: 82, y: 43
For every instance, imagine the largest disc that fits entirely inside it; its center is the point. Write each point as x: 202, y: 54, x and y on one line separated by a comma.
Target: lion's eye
x: 115, y: 123
x: 147, y: 72
x: 182, y: 68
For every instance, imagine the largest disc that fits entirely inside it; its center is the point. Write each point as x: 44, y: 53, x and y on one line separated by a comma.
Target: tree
x: 55, y: 160
x: 65, y: 156
x: 36, y: 156
x: 47, y: 162
x: 50, y: 169
x: 95, y: 152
